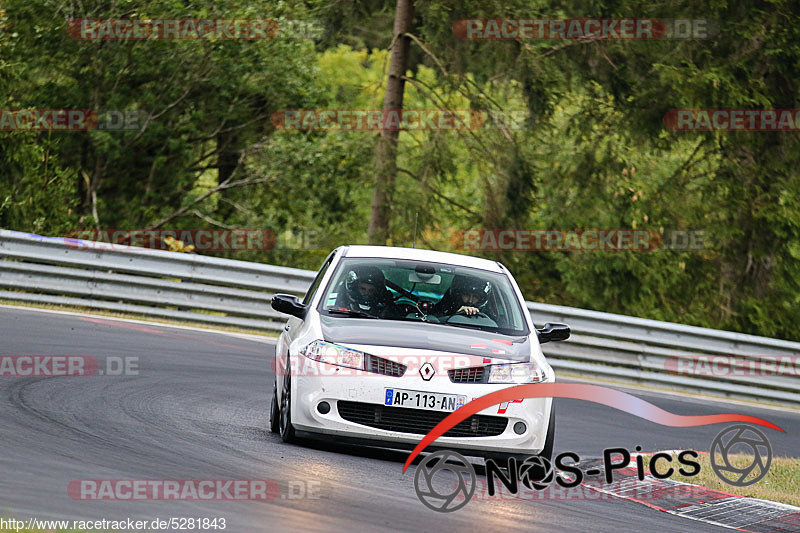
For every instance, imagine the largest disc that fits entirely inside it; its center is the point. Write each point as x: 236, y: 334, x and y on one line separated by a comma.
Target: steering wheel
x: 479, y: 314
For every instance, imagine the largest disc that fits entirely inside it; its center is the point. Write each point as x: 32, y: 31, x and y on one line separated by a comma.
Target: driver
x: 467, y: 294
x: 364, y: 290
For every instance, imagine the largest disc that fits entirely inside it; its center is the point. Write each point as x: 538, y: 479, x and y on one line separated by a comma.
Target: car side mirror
x: 553, y: 332
x: 291, y: 305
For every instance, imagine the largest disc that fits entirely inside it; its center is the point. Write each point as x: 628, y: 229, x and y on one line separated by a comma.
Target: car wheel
x: 274, y: 414
x: 547, y: 451
x: 286, y: 428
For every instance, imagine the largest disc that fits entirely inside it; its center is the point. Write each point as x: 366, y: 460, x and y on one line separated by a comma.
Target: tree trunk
x: 386, y: 149
x: 228, y: 156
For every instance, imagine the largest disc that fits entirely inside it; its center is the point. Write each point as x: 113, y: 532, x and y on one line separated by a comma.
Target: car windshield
x: 436, y: 293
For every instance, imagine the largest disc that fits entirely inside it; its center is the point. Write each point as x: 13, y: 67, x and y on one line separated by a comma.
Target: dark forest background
x: 593, y: 150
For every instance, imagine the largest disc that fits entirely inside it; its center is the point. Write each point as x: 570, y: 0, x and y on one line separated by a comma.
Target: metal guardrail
x: 54, y: 270
x: 674, y: 355
x: 155, y: 283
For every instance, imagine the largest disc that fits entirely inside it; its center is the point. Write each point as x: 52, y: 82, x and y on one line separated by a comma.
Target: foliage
x: 592, y: 151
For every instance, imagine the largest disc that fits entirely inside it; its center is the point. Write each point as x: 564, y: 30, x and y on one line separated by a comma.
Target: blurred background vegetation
x: 593, y: 153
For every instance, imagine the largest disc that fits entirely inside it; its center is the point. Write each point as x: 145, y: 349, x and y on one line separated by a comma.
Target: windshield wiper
x: 350, y: 312
x: 490, y: 329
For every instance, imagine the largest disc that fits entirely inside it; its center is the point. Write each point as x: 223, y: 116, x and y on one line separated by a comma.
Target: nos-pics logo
x: 439, y: 493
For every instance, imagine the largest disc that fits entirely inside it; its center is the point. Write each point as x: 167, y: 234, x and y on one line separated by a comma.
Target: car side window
x: 315, y: 284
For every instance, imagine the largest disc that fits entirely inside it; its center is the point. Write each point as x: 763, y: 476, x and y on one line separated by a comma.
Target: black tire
x: 274, y: 414
x: 286, y: 428
x: 547, y: 451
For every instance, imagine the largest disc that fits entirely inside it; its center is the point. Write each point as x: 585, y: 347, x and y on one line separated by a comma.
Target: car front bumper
x: 333, y: 385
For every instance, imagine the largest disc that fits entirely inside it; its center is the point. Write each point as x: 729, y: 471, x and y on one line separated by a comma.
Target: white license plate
x: 432, y: 401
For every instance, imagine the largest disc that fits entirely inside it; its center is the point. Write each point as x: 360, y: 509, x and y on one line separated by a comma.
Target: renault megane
x: 388, y: 341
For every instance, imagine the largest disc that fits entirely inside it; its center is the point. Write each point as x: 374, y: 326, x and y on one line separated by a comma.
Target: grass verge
x: 781, y: 484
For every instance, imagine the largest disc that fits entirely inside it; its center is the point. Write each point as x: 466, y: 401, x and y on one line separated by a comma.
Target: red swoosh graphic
x: 580, y: 391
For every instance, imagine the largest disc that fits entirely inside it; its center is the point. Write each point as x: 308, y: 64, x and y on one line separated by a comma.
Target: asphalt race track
x: 199, y: 409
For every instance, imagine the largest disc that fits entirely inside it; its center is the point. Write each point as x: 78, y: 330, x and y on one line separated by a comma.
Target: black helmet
x: 370, y: 275
x: 463, y: 284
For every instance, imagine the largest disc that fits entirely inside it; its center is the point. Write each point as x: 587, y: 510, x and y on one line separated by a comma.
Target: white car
x: 388, y: 341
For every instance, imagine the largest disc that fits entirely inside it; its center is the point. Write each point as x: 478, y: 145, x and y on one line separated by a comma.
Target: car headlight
x: 516, y: 373
x: 334, y: 354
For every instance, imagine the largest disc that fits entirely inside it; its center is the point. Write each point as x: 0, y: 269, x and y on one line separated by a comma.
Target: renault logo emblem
x: 426, y: 371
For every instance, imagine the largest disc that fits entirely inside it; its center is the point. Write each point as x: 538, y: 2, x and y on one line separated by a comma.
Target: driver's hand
x: 469, y: 311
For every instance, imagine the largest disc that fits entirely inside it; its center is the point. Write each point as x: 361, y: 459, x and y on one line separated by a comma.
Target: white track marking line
x: 245, y: 336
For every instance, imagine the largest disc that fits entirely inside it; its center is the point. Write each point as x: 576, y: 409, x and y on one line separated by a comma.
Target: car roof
x: 419, y: 254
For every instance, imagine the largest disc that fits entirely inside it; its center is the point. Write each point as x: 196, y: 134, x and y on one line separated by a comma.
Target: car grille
x: 467, y: 375
x: 418, y: 421
x: 386, y: 367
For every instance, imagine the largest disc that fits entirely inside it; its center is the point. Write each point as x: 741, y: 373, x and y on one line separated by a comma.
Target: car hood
x: 425, y: 336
